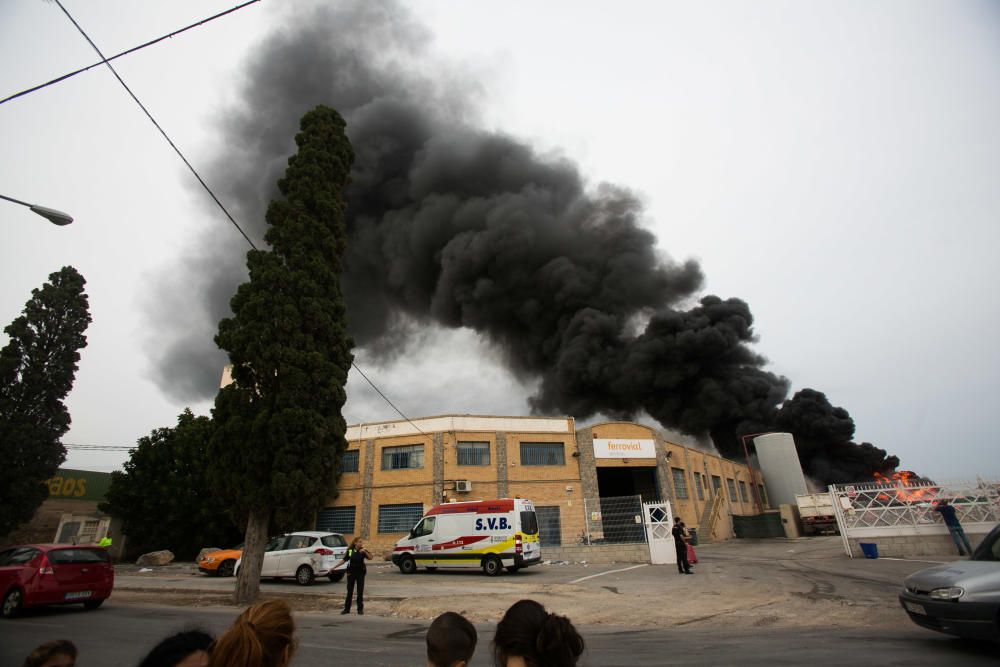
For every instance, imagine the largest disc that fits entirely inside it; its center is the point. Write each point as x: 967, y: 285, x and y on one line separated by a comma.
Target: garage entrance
x: 617, y: 482
x: 617, y: 515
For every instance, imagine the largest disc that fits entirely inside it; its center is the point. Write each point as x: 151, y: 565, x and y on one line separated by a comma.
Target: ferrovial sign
x: 624, y: 448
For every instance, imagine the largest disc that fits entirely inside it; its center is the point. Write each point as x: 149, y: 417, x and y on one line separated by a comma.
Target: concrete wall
x: 599, y: 553
x: 937, y: 546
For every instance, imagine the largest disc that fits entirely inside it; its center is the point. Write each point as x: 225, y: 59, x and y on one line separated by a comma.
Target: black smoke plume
x: 455, y: 225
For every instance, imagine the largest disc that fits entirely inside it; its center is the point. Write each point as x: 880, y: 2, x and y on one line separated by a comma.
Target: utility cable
x: 386, y: 399
x: 103, y: 448
x: 125, y: 53
x: 157, y: 125
x: 105, y: 61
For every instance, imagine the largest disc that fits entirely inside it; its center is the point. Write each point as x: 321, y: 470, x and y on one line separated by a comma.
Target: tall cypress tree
x: 280, y: 428
x: 37, y: 367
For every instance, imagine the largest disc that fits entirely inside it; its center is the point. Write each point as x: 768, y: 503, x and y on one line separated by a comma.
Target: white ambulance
x: 491, y: 534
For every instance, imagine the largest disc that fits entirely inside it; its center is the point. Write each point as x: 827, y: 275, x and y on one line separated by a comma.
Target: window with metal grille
x: 542, y: 454
x: 401, y: 458
x: 336, y: 520
x: 716, y: 484
x: 743, y: 492
x: 549, y: 526
x: 699, y: 485
x: 399, y: 518
x: 680, y: 483
x: 473, y: 453
x: 732, y: 489
x: 349, y: 461
x: 763, y: 496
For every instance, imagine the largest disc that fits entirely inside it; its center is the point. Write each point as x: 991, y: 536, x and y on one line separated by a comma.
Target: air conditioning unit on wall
x: 463, y: 486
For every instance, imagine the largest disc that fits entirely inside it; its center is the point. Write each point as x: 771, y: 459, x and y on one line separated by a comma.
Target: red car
x: 32, y: 575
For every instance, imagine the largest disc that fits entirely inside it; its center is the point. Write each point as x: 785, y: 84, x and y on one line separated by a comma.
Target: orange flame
x: 903, y: 492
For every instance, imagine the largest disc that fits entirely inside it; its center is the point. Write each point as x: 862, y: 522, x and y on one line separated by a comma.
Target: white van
x: 491, y: 534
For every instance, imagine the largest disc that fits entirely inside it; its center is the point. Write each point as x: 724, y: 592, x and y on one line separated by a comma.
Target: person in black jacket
x: 681, y: 538
x: 356, y: 569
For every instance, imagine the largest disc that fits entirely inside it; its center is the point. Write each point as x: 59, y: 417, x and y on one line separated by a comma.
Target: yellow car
x: 221, y: 563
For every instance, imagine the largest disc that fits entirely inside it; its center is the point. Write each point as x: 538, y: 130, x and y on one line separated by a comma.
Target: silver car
x: 304, y: 555
x: 960, y: 598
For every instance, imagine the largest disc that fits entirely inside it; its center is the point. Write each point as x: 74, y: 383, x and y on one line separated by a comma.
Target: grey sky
x: 832, y: 164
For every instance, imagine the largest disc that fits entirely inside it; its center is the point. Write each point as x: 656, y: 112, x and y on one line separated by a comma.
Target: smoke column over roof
x: 462, y: 227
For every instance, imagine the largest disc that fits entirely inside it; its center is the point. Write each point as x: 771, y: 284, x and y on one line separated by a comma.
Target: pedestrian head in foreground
x: 57, y: 653
x: 184, y: 649
x: 451, y: 641
x: 262, y: 636
x: 529, y: 636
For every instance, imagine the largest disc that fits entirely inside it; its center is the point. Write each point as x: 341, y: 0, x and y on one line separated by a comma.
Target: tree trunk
x: 248, y: 578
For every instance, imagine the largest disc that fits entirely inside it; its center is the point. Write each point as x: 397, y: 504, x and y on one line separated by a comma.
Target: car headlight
x: 209, y: 560
x: 952, y: 593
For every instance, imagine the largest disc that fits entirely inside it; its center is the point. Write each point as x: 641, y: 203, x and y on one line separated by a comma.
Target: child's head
x: 451, y: 641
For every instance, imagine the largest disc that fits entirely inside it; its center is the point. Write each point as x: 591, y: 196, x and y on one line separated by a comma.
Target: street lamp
x: 50, y: 214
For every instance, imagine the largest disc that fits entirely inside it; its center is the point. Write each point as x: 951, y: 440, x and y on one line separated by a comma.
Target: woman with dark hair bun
x: 529, y: 636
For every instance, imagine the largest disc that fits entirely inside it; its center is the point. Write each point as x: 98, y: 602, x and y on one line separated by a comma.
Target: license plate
x: 915, y: 608
x: 78, y: 595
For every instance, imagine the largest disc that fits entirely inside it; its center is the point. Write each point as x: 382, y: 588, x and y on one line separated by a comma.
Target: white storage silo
x: 780, y: 464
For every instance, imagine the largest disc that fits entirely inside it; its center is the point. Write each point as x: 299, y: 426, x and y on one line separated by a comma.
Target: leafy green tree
x: 165, y: 498
x: 37, y: 367
x: 280, y: 428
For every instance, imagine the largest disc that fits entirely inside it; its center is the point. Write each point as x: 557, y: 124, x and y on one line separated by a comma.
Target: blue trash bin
x: 870, y: 550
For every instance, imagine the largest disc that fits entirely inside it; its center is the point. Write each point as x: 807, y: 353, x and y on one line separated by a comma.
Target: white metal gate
x: 659, y: 522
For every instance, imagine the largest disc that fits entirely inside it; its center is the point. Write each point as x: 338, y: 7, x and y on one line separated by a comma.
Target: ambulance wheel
x: 304, y: 575
x: 335, y: 576
x: 492, y: 566
x: 407, y: 565
x: 431, y: 568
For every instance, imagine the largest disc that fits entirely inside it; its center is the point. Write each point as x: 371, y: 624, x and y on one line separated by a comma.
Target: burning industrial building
x: 456, y: 226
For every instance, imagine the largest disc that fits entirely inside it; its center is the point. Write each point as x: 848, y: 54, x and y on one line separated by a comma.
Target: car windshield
x: 989, y: 548
x: 334, y: 541
x: 64, y: 556
x: 17, y: 556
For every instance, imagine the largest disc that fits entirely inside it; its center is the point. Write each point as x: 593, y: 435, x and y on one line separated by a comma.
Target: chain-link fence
x: 613, y: 521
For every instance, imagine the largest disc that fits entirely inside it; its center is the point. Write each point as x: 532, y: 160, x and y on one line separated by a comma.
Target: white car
x: 304, y: 555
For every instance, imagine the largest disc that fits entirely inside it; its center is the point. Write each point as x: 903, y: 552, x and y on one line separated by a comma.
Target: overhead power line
x: 106, y: 61
x: 102, y: 448
x: 157, y: 125
x: 125, y: 53
x: 386, y: 398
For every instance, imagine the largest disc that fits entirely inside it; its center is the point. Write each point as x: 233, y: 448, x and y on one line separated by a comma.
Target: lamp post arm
x: 50, y: 214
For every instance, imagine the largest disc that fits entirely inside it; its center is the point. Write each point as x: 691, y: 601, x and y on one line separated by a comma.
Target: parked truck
x: 817, y: 514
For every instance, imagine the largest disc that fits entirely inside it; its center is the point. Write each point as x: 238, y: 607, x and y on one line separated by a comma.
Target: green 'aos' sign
x: 79, y: 484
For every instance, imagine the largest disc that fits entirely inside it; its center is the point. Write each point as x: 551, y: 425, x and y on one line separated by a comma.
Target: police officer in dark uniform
x: 356, y: 569
x: 681, y: 538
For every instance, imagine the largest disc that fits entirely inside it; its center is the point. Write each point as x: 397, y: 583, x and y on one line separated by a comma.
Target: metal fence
x: 613, y: 521
x: 888, y: 505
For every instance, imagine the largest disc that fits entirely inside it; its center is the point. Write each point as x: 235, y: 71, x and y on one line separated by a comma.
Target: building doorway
x: 620, y: 507
x: 617, y: 482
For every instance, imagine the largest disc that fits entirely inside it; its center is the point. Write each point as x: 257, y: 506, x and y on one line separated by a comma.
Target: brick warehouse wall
x: 598, y: 553
x: 563, y: 487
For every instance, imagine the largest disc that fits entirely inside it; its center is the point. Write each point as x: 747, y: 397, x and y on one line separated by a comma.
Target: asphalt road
x: 119, y: 635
